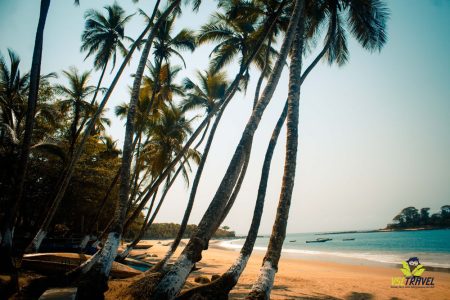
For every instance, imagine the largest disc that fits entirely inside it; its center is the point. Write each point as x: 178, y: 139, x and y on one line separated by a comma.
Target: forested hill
x: 411, y: 217
x: 170, y: 230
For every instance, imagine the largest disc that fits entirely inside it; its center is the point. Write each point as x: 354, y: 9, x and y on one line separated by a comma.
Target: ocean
x: 432, y: 247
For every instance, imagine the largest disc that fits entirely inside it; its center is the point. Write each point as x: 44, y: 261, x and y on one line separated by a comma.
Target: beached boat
x: 319, y: 240
x: 57, y: 263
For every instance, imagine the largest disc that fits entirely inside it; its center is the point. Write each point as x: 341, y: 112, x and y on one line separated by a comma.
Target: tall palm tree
x: 102, y: 38
x: 13, y: 93
x: 98, y: 274
x: 367, y: 23
x: 205, y: 95
x: 172, y: 281
x: 75, y: 98
x: 13, y: 88
x: 75, y: 94
x: 68, y: 172
x: 166, y: 141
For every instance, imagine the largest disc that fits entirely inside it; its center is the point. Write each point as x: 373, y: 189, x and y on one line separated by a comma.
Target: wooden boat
x: 319, y: 240
x: 57, y: 263
x: 350, y: 239
x: 142, y: 246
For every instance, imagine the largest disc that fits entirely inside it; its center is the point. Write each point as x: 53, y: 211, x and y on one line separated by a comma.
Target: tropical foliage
x: 76, y: 181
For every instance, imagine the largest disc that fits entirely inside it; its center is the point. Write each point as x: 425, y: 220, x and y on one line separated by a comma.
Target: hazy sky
x: 374, y: 134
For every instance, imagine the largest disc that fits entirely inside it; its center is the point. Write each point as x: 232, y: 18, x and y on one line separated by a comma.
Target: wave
x: 432, y: 260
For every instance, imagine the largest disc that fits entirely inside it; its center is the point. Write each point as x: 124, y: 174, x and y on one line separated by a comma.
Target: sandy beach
x: 303, y: 279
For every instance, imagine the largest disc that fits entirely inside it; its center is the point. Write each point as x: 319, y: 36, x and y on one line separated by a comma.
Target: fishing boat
x: 319, y: 240
x: 59, y: 263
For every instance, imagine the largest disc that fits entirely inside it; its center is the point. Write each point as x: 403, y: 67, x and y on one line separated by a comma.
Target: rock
x: 202, y: 279
x: 60, y: 294
x: 215, y: 277
x: 154, y: 255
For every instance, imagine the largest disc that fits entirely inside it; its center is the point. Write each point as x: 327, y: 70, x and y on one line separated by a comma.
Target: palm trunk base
x: 263, y: 285
x: 218, y: 289
x: 6, y: 255
x: 93, y: 284
x: 144, y: 287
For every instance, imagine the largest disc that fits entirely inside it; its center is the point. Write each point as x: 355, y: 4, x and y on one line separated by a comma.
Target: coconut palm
x: 98, y: 275
x: 205, y: 95
x: 75, y: 99
x: 102, y: 38
x: 68, y: 172
x: 367, y: 23
x: 168, y: 134
x: 13, y: 93
x: 75, y: 95
x: 172, y: 281
x: 236, y: 37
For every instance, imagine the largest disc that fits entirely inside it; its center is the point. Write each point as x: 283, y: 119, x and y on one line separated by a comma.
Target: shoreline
x: 329, y: 257
x: 390, y: 260
x: 300, y: 278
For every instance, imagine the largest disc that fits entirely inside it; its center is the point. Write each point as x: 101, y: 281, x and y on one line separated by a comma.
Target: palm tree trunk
x: 35, y: 75
x: 121, y: 256
x: 172, y: 282
x: 187, y: 213
x: 35, y: 244
x: 221, y: 287
x: 91, y: 227
x: 95, y: 282
x: 97, y: 89
x: 263, y: 286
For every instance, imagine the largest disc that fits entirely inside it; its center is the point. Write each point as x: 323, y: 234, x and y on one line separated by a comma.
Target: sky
x: 374, y: 134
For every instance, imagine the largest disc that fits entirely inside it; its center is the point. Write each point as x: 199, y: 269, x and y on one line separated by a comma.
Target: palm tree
x: 98, y: 275
x: 102, y: 37
x: 13, y: 88
x: 68, y: 172
x: 13, y: 93
x: 75, y: 95
x: 75, y: 99
x: 367, y: 23
x: 235, y: 36
x: 166, y: 141
x: 205, y: 95
x: 172, y: 281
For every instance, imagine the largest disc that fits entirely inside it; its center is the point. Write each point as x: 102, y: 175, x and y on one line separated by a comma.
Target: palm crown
x: 103, y: 35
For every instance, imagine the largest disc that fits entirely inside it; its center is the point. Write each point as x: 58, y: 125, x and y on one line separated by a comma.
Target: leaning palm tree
x: 75, y: 95
x: 97, y: 276
x: 367, y: 23
x: 205, y: 95
x: 68, y: 172
x: 172, y: 282
x: 168, y: 134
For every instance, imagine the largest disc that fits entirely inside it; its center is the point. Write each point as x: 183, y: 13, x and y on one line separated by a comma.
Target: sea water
x: 432, y: 247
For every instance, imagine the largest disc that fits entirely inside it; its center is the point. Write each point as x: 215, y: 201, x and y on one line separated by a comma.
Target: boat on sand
x: 57, y: 263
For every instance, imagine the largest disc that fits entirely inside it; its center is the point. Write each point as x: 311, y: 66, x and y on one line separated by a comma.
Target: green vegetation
x: 62, y: 175
x: 170, y: 230
x: 411, y: 217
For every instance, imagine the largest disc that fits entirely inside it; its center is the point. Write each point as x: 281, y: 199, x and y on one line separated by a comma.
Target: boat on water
x: 59, y: 263
x: 293, y: 241
x: 319, y: 240
x: 350, y: 239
